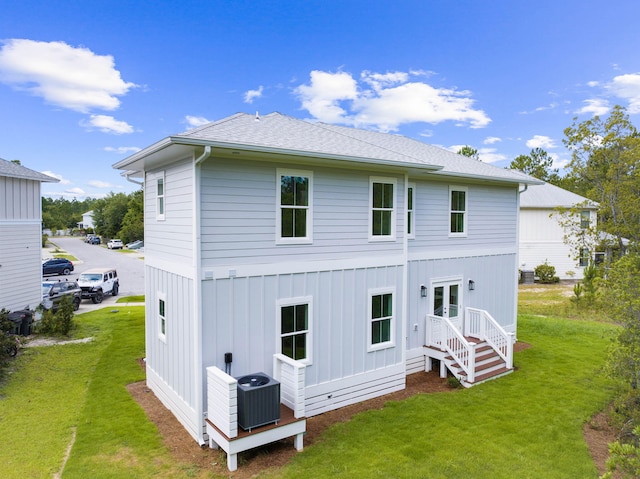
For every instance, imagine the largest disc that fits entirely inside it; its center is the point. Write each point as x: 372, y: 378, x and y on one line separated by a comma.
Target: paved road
x: 130, y: 267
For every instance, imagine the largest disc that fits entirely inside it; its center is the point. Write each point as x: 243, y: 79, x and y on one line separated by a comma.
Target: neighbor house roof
x: 14, y: 170
x: 551, y: 196
x: 277, y: 133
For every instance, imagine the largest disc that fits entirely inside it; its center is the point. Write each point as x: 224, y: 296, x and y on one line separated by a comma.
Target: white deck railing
x: 442, y: 334
x: 291, y: 374
x: 222, y: 401
x: 480, y: 324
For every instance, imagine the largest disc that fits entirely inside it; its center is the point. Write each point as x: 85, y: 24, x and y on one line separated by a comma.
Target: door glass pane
x: 438, y: 300
x: 453, y: 301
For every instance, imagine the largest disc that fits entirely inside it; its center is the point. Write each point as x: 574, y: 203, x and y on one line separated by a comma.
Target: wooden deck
x: 287, y: 426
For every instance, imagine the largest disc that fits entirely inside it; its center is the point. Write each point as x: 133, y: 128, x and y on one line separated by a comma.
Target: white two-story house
x: 355, y: 256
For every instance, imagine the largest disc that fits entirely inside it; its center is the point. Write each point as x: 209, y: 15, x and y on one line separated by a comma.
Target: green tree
x: 133, y: 221
x: 605, y: 165
x: 538, y: 164
x: 109, y: 213
x: 469, y: 151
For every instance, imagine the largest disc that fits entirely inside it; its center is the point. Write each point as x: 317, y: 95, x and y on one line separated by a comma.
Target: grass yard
x: 525, y: 425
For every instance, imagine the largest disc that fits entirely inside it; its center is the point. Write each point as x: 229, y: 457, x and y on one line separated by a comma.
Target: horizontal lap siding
x: 239, y: 215
x: 20, y: 265
x: 239, y: 317
x: 19, y: 199
x: 491, y: 217
x: 171, y: 238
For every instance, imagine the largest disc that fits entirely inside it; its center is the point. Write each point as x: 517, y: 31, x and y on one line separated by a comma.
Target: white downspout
x: 405, y: 276
x: 200, y: 376
x: 139, y: 183
x: 515, y: 312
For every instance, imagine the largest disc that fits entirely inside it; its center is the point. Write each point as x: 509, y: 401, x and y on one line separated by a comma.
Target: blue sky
x: 83, y: 84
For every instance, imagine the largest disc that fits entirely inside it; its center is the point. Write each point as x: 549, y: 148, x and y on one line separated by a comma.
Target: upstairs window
x: 585, y: 219
x: 295, y: 329
x: 383, y: 215
x: 160, y: 197
x: 294, y: 216
x: 457, y: 211
x: 410, y: 212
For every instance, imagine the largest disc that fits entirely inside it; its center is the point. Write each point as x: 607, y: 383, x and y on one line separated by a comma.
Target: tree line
x: 117, y: 215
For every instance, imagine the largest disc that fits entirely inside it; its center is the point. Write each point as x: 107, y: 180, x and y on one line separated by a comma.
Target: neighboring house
x: 20, y: 236
x: 87, y: 220
x: 542, y: 236
x: 335, y: 259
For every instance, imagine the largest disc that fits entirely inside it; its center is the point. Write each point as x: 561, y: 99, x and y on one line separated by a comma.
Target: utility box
x: 258, y: 401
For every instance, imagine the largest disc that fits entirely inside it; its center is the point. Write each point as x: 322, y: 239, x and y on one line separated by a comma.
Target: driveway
x: 130, y: 267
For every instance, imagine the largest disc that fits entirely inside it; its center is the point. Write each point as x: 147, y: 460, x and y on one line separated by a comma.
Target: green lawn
x: 525, y: 425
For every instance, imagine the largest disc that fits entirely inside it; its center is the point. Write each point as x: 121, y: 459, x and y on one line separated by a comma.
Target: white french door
x: 446, y: 300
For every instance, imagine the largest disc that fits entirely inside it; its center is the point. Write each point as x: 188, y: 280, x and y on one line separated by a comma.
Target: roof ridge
x: 211, y: 123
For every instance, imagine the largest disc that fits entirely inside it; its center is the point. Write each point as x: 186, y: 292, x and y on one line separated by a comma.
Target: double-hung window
x: 585, y: 219
x: 382, y: 200
x: 160, y: 197
x: 585, y: 257
x: 162, y: 317
x: 294, y: 216
x: 295, y: 328
x: 411, y: 219
x: 381, y: 318
x: 457, y: 211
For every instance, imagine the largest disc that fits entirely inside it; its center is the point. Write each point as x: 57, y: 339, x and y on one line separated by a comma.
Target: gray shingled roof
x: 551, y: 196
x: 281, y: 133
x: 13, y: 170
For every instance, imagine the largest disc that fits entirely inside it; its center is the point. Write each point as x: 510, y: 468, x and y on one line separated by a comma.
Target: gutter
x: 197, y: 301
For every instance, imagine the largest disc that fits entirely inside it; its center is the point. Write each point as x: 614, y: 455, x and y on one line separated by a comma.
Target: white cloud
x: 593, y: 83
x: 251, y: 95
x: 196, y: 121
x: 57, y: 176
x: 540, y: 141
x: 66, y: 76
x: 627, y: 87
x: 490, y: 140
x: 594, y: 106
x: 122, y: 149
x: 386, y: 101
x: 101, y: 184
x: 107, y: 124
x: 489, y: 155
x: 75, y: 192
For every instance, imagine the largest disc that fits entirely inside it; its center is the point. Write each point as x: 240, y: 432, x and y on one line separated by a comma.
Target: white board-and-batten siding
x: 19, y: 199
x: 170, y: 360
x: 20, y: 243
x: 241, y: 316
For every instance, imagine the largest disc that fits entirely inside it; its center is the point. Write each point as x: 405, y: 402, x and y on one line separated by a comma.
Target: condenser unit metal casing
x: 258, y: 401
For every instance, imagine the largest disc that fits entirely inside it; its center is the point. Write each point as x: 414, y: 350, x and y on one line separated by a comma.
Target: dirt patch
x: 250, y: 463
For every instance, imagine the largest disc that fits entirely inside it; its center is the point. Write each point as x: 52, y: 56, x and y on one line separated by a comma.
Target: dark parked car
x: 54, y: 291
x: 94, y: 240
x: 57, y: 266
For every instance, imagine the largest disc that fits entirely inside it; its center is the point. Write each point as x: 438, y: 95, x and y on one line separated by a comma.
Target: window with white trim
x: 457, y: 211
x: 585, y: 257
x: 585, y: 219
x: 160, y: 197
x: 295, y: 328
x: 382, y: 200
x: 162, y: 317
x: 294, y: 217
x: 381, y: 318
x: 411, y: 219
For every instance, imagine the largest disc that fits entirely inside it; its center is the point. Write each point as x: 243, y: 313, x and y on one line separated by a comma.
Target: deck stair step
x: 488, y: 365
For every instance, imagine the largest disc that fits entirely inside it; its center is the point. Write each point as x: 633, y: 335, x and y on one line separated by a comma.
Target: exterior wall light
x: 423, y: 291
x: 472, y: 285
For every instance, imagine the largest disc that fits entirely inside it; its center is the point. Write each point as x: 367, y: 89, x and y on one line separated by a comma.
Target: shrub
x: 45, y: 238
x: 546, y: 273
x: 59, y: 323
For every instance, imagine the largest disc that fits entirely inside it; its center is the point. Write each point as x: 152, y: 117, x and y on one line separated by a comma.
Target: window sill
x: 378, y: 347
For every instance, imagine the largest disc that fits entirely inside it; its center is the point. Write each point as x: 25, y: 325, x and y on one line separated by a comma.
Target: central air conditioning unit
x: 258, y: 401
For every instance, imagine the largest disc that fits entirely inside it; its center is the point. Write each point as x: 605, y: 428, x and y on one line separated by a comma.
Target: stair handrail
x: 449, y: 338
x: 480, y: 324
